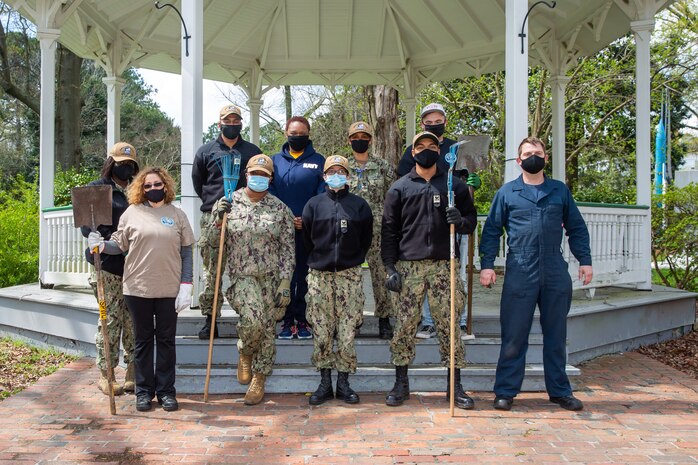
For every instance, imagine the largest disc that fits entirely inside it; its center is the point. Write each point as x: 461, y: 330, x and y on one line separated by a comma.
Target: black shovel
x: 91, y: 208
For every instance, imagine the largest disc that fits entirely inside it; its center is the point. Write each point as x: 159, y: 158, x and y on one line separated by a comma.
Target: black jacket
x: 414, y: 223
x: 114, y: 264
x: 337, y: 230
x: 207, y: 176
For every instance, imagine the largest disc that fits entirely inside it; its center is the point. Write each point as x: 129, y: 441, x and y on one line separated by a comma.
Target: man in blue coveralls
x: 533, y: 210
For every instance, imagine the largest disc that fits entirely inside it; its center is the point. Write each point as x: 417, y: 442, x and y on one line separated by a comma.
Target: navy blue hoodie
x: 297, y: 180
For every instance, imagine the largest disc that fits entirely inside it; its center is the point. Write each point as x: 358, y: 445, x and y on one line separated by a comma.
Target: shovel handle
x: 105, y: 333
x: 219, y: 262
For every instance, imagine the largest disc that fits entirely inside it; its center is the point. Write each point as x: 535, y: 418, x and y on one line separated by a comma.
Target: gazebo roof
x: 403, y: 43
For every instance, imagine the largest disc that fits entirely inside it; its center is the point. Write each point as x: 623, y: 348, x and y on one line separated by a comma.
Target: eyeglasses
x: 330, y: 172
x: 155, y: 184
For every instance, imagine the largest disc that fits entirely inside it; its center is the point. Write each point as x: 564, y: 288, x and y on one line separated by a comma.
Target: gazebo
x: 405, y: 44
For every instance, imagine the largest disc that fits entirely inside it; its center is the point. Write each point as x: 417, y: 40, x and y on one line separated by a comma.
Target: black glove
x: 222, y: 206
x: 453, y: 216
x: 394, y: 280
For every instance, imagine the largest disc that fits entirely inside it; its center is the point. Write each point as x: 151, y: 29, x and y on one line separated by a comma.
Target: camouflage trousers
x: 430, y: 277
x: 253, y: 298
x: 384, y: 305
x: 119, y: 326
x: 335, y: 306
x: 209, y: 261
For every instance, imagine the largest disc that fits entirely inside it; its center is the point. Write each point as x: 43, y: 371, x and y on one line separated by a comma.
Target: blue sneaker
x: 287, y: 331
x: 303, y: 332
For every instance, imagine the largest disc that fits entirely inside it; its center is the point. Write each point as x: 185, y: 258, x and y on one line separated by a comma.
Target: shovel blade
x: 91, y: 206
x: 473, y: 155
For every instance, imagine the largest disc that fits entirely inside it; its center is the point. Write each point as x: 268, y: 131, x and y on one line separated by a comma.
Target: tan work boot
x: 255, y: 393
x: 244, y: 369
x: 103, y: 383
x: 130, y: 380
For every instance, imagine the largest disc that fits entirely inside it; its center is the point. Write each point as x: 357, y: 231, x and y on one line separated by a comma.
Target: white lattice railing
x: 617, y: 244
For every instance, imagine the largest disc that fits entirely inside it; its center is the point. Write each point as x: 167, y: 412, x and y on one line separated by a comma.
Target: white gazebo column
x: 516, y: 86
x: 192, y: 118
x: 47, y: 130
x: 410, y: 106
x: 558, y: 85
x: 255, y: 106
x: 642, y: 30
x: 114, y: 85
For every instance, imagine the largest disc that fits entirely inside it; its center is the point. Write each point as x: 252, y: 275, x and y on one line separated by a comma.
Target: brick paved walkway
x: 637, y: 411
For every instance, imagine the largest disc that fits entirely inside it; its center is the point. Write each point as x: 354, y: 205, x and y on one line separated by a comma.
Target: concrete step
x: 290, y: 379
x: 369, y: 351
x: 190, y: 322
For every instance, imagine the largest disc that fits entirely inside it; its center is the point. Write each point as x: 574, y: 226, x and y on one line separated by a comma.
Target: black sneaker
x: 568, y: 402
x: 287, y: 331
x: 169, y: 403
x: 205, y: 331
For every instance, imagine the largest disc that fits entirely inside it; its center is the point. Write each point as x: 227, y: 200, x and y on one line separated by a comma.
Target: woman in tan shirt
x: 157, y: 279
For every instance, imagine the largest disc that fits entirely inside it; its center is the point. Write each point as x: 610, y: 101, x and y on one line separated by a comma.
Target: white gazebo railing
x: 615, y: 230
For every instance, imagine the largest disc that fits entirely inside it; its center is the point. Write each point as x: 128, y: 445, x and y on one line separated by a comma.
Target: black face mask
x: 436, y: 129
x: 426, y: 158
x: 123, y: 172
x: 298, y: 143
x: 533, y: 164
x: 155, y: 195
x: 231, y: 131
x: 359, y: 145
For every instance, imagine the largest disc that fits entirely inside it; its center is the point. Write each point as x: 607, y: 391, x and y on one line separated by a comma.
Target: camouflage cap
x: 336, y: 160
x: 230, y: 110
x: 261, y: 162
x: 360, y: 126
x: 122, y: 151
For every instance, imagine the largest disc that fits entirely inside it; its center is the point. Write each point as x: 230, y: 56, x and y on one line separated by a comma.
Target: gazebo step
x: 380, y: 378
x: 369, y: 351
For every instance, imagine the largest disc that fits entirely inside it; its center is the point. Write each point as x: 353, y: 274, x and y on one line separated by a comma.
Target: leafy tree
x: 675, y: 237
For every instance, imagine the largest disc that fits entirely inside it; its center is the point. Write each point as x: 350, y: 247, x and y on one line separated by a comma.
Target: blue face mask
x: 336, y: 181
x: 258, y: 183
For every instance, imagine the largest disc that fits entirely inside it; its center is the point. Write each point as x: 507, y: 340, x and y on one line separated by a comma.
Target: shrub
x: 675, y: 237
x: 19, y: 233
x: 66, y: 180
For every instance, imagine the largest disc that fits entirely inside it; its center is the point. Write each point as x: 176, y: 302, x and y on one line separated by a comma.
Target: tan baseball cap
x: 336, y: 160
x: 230, y: 110
x: 424, y: 135
x: 360, y: 126
x: 122, y: 151
x: 261, y: 162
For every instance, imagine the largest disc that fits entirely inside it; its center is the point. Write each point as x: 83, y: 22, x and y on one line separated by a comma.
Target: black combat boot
x: 324, y: 391
x: 461, y: 399
x: 344, y: 391
x: 401, y: 390
x: 205, y: 332
x: 385, y: 331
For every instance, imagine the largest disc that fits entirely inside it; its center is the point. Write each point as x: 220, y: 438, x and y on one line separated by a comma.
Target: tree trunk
x: 383, y: 114
x: 288, y: 101
x: 68, y: 105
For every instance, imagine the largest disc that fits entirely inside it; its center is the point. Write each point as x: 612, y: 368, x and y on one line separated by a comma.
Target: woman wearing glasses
x: 118, y: 171
x: 157, y: 279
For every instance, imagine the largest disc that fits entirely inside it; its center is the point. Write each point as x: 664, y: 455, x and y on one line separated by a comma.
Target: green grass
x: 21, y: 365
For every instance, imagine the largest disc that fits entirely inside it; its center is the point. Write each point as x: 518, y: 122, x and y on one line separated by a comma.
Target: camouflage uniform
x: 371, y: 183
x: 209, y: 260
x: 260, y: 234
x: 119, y: 326
x: 420, y: 277
x: 335, y: 304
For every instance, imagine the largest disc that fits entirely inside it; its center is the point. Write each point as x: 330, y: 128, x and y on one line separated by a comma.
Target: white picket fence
x: 619, y: 237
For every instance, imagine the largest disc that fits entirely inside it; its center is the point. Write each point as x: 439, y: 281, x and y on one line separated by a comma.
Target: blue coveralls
x: 536, y: 273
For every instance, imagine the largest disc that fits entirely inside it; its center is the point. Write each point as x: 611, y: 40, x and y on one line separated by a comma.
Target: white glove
x: 183, y: 299
x: 94, y: 239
